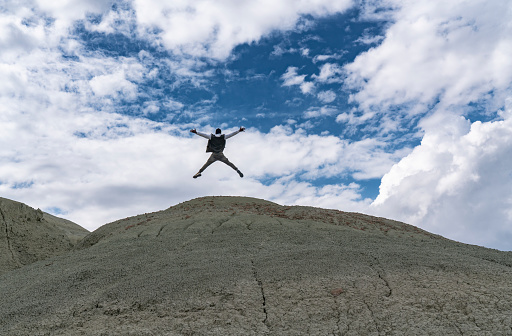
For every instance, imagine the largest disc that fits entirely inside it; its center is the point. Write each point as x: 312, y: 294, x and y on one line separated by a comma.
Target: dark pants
x: 217, y: 157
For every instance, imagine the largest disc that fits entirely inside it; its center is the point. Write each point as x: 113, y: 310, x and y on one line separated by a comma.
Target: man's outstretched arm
x: 207, y: 136
x: 235, y: 133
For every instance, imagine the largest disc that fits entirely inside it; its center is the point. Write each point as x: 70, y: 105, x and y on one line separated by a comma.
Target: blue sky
x: 391, y: 108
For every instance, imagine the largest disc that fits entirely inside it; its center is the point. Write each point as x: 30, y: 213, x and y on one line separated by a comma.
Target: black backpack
x: 216, y: 144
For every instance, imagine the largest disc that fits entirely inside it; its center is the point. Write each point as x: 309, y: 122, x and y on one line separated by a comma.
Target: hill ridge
x: 233, y: 205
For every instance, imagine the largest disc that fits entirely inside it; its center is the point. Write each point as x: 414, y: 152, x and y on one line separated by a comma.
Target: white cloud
x: 151, y: 107
x: 329, y: 73
x: 369, y: 39
x: 457, y: 183
x: 119, y: 21
x: 113, y: 85
x: 174, y: 105
x: 326, y: 96
x: 64, y: 13
x: 455, y: 53
x: 322, y: 58
x: 439, y: 57
x: 323, y: 111
x: 352, y: 119
x: 307, y: 87
x: 71, y: 10
x: 280, y: 50
x: 17, y: 37
x: 213, y: 28
x: 291, y: 77
x: 298, y: 153
x: 289, y: 192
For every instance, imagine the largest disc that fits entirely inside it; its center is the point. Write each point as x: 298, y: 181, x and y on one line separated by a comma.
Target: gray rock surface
x: 243, y: 266
x: 28, y: 235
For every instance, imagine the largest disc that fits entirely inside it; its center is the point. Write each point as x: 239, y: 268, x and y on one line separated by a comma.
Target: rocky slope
x: 243, y: 266
x: 28, y: 235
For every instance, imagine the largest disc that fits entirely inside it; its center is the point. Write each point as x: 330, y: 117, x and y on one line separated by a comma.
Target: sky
x: 394, y: 108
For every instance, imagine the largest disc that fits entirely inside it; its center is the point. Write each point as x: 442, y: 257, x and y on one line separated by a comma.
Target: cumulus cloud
x: 433, y: 61
x: 310, y: 156
x: 326, y: 96
x: 113, y: 85
x: 457, y: 183
x: 290, y: 192
x: 213, y: 29
x: 322, y: 58
x: 369, y: 39
x: 314, y: 112
x: 280, y: 50
x: 291, y: 77
x: 329, y: 73
x: 454, y: 53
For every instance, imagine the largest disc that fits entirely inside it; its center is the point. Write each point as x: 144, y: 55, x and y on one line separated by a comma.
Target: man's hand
x: 193, y: 131
x: 242, y: 129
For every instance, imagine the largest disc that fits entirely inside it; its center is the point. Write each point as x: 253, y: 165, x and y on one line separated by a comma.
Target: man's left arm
x: 235, y: 133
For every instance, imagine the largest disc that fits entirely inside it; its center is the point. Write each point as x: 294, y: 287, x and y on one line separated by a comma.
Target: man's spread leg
x: 226, y: 161
x: 210, y: 160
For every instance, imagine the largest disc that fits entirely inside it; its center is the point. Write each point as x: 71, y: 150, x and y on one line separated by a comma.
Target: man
x: 216, y: 145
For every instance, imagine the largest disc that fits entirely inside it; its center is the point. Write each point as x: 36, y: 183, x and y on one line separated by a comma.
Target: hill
x: 244, y: 266
x: 28, y: 235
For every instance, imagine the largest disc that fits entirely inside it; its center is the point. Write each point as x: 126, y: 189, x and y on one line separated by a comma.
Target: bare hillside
x: 28, y: 235
x: 244, y: 266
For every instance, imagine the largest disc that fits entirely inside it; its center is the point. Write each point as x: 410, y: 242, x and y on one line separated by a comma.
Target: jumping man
x: 216, y: 145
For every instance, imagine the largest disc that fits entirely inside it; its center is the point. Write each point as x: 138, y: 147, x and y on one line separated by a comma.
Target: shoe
x: 240, y: 173
x: 196, y: 175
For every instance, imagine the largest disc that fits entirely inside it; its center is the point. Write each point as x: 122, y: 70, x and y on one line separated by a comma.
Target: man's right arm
x: 207, y: 136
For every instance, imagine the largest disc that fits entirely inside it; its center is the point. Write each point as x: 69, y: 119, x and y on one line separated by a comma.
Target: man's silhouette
x: 216, y: 145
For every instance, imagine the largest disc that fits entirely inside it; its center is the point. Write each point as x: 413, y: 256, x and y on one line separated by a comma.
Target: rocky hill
x: 244, y: 266
x: 28, y: 235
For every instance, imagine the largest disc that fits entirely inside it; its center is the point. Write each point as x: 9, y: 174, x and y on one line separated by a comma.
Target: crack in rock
x: 264, y: 300
x: 222, y: 223
x: 458, y: 329
x: 9, y: 244
x: 161, y: 229
x: 186, y: 227
x: 375, y: 324
x: 381, y: 274
x: 390, y: 291
x: 338, y: 316
x: 496, y: 262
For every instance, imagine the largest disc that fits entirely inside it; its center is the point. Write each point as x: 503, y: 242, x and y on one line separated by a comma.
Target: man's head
x: 218, y: 131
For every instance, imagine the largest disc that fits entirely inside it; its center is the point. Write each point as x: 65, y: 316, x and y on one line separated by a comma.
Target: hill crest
x: 225, y: 206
